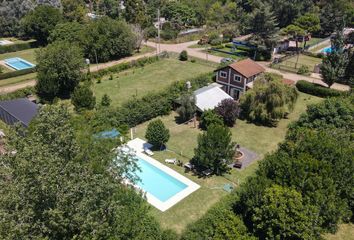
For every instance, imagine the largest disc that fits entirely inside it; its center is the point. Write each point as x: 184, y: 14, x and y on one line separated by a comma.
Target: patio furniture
x: 238, y: 164
x: 148, y: 152
x: 171, y: 160
x: 189, y: 166
x: 207, y: 172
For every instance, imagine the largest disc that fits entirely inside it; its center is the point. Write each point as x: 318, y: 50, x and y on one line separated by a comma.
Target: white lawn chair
x: 171, y: 161
x: 148, y: 152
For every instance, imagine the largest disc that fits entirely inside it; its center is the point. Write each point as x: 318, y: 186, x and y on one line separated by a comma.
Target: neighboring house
x: 237, y: 77
x: 18, y: 110
x: 209, y: 97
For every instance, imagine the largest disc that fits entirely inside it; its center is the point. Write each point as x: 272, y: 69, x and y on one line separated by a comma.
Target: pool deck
x: 138, y: 145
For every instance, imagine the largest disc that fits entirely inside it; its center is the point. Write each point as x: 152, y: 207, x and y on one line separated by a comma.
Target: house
x: 18, y: 110
x: 209, y: 97
x: 237, y: 77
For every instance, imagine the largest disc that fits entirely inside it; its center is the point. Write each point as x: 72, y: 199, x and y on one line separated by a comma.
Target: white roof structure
x: 210, y: 96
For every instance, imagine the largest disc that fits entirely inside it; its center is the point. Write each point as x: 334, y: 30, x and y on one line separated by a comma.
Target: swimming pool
x: 157, y: 182
x: 163, y: 186
x: 327, y: 50
x: 18, y: 63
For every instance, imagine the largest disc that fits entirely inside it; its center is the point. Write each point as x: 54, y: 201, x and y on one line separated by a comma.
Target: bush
x: 17, y: 73
x: 188, y: 108
x: 208, y: 118
x: 316, y: 90
x: 303, y: 70
x: 183, y: 56
x: 216, y: 42
x: 157, y: 134
x: 83, y: 98
x: 18, y: 94
x: 105, y: 101
x: 229, y: 45
x: 228, y: 110
x: 151, y: 32
x: 17, y: 47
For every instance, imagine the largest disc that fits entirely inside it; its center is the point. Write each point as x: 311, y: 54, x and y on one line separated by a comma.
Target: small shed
x: 18, y: 110
x: 210, y: 96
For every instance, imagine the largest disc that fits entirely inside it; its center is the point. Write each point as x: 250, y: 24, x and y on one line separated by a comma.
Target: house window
x: 237, y: 78
x: 223, y: 74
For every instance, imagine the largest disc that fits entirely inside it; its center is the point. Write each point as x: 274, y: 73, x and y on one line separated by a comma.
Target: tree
x: 105, y: 101
x: 215, y: 150
x: 157, y: 134
x: 269, y: 100
x: 295, y: 32
x: 310, y: 22
x: 179, y: 14
x: 58, y: 195
x: 349, y: 72
x: 74, y: 10
x: 139, y: 35
x: 282, y: 215
x: 69, y: 31
x: 40, y: 22
x: 135, y: 12
x: 188, y: 108
x: 106, y: 39
x: 228, y: 110
x: 334, y: 64
x: 263, y: 24
x: 183, y: 56
x: 208, y: 118
x: 59, y: 70
x: 83, y: 98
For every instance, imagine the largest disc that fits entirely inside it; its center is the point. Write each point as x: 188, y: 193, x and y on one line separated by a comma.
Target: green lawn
x: 28, y: 55
x: 150, y: 78
x: 181, y: 145
x: 289, y: 64
x: 345, y: 232
x: 225, y: 55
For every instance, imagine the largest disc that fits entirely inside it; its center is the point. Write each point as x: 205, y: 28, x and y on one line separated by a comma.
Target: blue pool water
x: 18, y: 63
x: 157, y: 182
x: 327, y: 50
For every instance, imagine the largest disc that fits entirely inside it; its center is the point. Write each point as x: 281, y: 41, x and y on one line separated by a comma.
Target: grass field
x: 225, y: 55
x: 28, y: 55
x: 289, y: 64
x: 345, y: 232
x: 181, y: 145
x: 150, y: 78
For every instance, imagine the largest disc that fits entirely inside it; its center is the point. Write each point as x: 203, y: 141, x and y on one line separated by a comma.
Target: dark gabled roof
x: 21, y: 110
x: 246, y: 67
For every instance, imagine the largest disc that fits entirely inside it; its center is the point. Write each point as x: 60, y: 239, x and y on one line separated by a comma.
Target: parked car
x: 227, y: 60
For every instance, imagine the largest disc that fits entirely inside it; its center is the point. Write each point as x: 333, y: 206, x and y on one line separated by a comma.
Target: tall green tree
x: 135, y: 12
x: 282, y: 215
x: 215, y: 150
x: 57, y: 195
x: 59, y: 70
x: 295, y: 32
x: 157, y: 134
x: 74, y: 10
x: 335, y: 63
x: 264, y: 26
x: 40, y: 22
x: 68, y: 31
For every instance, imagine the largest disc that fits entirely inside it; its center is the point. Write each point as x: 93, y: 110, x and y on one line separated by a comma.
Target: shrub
x: 216, y: 42
x: 150, y: 32
x: 105, y: 101
x: 83, y: 98
x: 157, y: 134
x: 317, y: 90
x: 183, y: 56
x: 228, y: 110
x: 208, y: 118
x: 17, y: 47
x: 18, y: 94
x: 188, y: 108
x: 303, y: 70
x: 16, y: 73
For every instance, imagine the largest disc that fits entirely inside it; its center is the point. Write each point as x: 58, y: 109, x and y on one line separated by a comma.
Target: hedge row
x: 136, y: 111
x: 17, y: 73
x: 18, y: 94
x: 124, y: 66
x: 17, y: 47
x: 317, y: 90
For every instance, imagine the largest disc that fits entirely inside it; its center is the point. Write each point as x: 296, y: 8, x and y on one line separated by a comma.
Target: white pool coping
x: 163, y: 206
